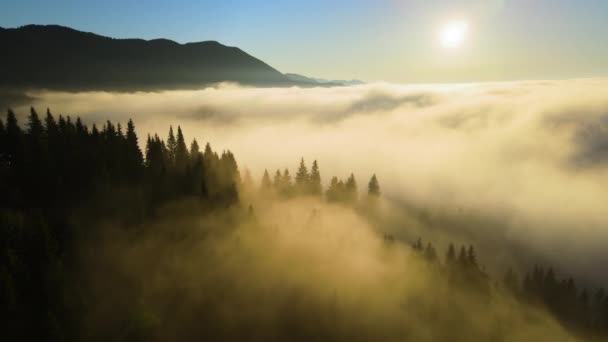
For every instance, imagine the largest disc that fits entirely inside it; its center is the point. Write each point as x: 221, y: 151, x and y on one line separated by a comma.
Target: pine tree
x: 171, y: 146
x: 209, y: 156
x: 278, y: 181
x: 373, y: 188
x: 450, y: 256
x: 315, y: 180
x: 471, y: 257
x: 34, y: 143
x: 181, y: 152
x: 231, y: 168
x: 351, y: 188
x: 2, y: 143
x: 247, y: 184
x: 429, y: 253
x: 302, y: 178
x: 194, y: 150
x: 462, y: 257
x: 134, y: 155
x: 286, y: 182
x: 418, y: 245
x: 14, y: 143
x: 51, y: 127
x: 332, y: 193
x: 35, y: 128
x: 198, y: 170
x: 81, y: 129
x: 266, y: 184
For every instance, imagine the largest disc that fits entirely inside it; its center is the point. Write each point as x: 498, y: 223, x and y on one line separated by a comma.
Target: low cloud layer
x: 298, y: 269
x: 531, y: 158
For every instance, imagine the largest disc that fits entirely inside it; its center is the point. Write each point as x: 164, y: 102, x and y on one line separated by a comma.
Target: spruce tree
x: 171, y: 146
x: 302, y: 178
x: 134, y: 155
x: 247, y: 183
x: 181, y: 152
x: 332, y: 194
x: 278, y: 181
x: 429, y: 253
x: 266, y: 184
x: 35, y: 128
x: 315, y: 180
x: 373, y: 188
x: 14, y: 142
x: 471, y: 257
x: 351, y: 189
x: 418, y: 245
x: 49, y: 120
x: 2, y: 143
x: 194, y: 150
x: 462, y: 257
x: 286, y: 182
x: 450, y: 256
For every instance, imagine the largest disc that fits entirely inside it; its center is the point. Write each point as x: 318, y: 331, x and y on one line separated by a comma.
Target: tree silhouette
x: 315, y: 180
x: 171, y: 147
x: 247, y: 180
x: 278, y: 181
x: 471, y: 257
x: 430, y: 253
x: 266, y: 184
x: 450, y: 256
x: 194, y: 150
x: 134, y: 155
x: 373, y: 188
x: 181, y: 152
x: 14, y: 143
x: 462, y: 257
x: 2, y: 141
x: 302, y: 179
x: 286, y: 183
x: 351, y: 189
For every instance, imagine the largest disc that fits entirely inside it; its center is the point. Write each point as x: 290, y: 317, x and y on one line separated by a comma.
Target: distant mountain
x: 58, y: 57
x: 322, y: 81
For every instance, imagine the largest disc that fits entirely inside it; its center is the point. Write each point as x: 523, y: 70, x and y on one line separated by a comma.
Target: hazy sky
x: 391, y: 40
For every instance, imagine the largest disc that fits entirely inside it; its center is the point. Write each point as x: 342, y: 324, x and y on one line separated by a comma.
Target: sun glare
x: 453, y: 34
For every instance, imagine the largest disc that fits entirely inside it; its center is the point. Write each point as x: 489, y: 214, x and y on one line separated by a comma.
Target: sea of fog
x: 521, y: 164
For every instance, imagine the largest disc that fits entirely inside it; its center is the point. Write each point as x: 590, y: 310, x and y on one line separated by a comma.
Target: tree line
x: 51, y: 167
x: 308, y: 183
x: 48, y: 172
x: 572, y: 304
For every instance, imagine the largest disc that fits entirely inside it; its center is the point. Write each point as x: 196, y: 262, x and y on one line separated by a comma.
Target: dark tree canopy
x: 373, y: 188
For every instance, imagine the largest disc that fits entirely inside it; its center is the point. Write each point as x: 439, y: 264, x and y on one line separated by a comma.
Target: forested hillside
x: 104, y: 241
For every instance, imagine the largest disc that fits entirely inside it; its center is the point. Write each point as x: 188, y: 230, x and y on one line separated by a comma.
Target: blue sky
x: 388, y: 40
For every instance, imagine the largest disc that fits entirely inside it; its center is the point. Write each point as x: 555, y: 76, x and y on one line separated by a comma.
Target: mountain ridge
x: 63, y: 58
x: 322, y: 81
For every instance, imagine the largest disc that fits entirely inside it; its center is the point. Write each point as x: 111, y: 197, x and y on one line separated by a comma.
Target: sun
x: 453, y: 34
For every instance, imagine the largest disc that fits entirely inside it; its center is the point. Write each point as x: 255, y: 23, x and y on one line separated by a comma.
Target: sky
x: 379, y: 40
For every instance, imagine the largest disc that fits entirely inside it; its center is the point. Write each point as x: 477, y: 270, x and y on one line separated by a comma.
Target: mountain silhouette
x: 322, y: 81
x: 61, y: 58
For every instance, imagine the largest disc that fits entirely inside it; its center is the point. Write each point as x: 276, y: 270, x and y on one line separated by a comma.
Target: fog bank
x: 530, y: 157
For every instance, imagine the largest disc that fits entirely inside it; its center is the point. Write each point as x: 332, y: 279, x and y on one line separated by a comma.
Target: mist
x: 526, y: 159
x: 297, y: 269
